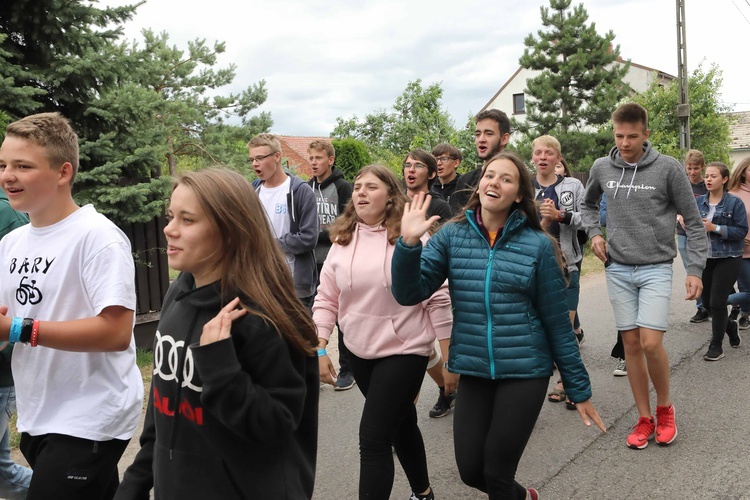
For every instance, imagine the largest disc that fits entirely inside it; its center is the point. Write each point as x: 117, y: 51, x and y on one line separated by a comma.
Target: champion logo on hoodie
x: 634, y: 187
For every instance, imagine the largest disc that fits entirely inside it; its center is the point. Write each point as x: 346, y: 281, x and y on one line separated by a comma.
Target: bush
x: 351, y: 156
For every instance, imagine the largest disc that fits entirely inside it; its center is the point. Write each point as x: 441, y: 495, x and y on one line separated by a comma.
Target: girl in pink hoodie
x: 390, y: 343
x: 739, y: 185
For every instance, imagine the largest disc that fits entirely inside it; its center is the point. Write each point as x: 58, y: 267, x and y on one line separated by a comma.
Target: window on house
x: 519, y: 107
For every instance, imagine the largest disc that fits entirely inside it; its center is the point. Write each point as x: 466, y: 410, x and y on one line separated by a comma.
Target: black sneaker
x: 734, y: 313
x: 344, y: 381
x: 700, y: 316
x: 734, y: 337
x: 444, y: 403
x: 744, y: 322
x: 714, y: 353
x: 428, y: 496
x: 579, y: 336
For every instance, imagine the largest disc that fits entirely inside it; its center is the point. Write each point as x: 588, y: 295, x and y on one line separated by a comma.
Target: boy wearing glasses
x: 420, y: 171
x: 292, y: 212
x: 448, y: 159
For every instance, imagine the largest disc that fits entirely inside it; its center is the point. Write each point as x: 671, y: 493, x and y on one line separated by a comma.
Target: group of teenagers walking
x: 476, y: 283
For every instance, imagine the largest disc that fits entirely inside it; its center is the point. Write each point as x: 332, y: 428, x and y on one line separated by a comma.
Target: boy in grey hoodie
x: 645, y: 191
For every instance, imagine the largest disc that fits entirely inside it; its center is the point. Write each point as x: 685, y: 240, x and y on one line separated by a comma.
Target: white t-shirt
x: 275, y: 202
x: 72, y: 270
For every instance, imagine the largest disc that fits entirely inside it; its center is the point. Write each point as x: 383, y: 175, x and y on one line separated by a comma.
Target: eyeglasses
x: 259, y: 158
x: 443, y: 159
x: 415, y: 165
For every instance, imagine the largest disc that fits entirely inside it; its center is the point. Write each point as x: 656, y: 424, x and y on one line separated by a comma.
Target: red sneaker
x: 642, y: 432
x: 666, y: 430
x: 532, y: 494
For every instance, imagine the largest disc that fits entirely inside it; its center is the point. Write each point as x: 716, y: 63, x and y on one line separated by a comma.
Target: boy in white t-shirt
x: 292, y: 211
x: 67, y: 279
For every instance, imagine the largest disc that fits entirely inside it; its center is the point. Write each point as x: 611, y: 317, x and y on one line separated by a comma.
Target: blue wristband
x: 15, y: 330
x: 322, y: 352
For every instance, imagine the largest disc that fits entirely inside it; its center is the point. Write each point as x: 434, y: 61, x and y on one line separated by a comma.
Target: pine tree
x: 579, y: 86
x: 136, y: 110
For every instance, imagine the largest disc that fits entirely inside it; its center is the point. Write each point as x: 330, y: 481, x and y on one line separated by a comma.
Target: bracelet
x: 26, y: 326
x: 445, y: 365
x: 322, y: 352
x: 14, y: 335
x: 34, y: 333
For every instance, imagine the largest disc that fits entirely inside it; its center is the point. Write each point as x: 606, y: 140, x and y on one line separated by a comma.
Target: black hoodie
x: 332, y: 195
x: 247, y: 422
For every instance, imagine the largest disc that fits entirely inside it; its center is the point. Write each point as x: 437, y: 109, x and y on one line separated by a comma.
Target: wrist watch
x: 561, y: 215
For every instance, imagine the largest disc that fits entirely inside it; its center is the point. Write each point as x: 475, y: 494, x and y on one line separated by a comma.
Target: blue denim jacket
x: 731, y: 216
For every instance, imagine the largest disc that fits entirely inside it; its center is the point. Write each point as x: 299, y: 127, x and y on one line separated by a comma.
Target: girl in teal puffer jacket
x: 510, y: 320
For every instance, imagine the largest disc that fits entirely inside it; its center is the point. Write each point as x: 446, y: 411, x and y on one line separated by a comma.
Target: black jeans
x: 389, y: 418
x: 718, y: 282
x: 492, y: 423
x: 67, y: 467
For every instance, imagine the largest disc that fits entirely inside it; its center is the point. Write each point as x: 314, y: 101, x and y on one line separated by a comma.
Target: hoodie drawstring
x: 617, y: 188
x: 631, y: 180
x: 386, y: 267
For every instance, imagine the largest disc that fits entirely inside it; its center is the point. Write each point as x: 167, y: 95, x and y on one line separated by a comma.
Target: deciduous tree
x: 709, y: 123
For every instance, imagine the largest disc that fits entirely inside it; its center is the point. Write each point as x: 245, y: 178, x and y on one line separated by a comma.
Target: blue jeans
x: 14, y: 479
x: 742, y: 298
x: 681, y: 247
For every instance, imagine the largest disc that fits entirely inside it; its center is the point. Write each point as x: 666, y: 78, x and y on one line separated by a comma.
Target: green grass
x: 591, y: 263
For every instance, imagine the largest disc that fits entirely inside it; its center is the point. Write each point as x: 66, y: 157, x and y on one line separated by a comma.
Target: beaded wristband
x: 35, y: 333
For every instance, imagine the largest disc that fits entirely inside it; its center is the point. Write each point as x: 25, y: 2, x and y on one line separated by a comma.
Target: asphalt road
x: 564, y: 459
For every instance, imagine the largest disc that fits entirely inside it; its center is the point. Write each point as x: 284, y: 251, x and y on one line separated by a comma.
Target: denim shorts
x: 574, y: 290
x: 640, y: 295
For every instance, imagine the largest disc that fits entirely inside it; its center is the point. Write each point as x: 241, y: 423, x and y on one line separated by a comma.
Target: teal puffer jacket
x: 510, y: 313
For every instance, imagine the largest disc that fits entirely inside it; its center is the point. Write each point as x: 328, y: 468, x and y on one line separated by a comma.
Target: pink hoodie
x: 743, y: 193
x: 355, y: 287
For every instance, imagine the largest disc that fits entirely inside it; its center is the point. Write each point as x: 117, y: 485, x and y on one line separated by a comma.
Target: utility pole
x: 683, y: 106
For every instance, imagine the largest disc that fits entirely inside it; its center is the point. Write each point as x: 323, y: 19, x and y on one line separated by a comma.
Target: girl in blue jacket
x: 725, y: 220
x: 510, y: 320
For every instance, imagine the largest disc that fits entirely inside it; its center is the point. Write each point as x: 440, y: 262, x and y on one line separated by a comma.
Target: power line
x: 742, y: 13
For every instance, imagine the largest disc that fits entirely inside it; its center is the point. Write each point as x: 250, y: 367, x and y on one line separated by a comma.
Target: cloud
x: 324, y: 59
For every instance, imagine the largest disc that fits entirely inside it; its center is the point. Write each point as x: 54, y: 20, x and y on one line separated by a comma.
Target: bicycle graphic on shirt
x: 28, y: 292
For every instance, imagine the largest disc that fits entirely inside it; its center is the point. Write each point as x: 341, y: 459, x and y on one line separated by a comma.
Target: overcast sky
x: 322, y: 59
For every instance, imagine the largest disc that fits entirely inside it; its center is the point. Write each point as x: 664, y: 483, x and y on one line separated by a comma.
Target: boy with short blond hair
x: 695, y: 163
x: 67, y: 279
x: 559, y: 199
x: 332, y: 193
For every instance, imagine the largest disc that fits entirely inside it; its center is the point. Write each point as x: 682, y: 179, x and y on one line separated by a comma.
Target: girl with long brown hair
x: 739, y: 185
x: 234, y: 396
x: 510, y: 319
x: 389, y: 343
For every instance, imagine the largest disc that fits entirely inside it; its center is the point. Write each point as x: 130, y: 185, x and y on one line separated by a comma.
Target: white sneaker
x: 620, y: 370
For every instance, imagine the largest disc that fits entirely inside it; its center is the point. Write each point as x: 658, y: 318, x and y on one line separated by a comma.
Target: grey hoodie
x: 642, y: 205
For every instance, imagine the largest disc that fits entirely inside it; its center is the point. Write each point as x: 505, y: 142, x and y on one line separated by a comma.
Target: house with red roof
x: 294, y: 150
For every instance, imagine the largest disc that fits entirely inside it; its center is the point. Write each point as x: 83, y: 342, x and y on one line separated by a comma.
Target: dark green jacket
x: 510, y: 311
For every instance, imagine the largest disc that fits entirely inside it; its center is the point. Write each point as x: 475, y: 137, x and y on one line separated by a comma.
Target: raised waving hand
x: 414, y: 222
